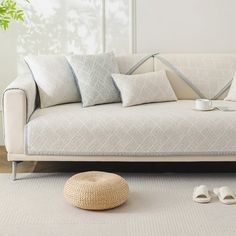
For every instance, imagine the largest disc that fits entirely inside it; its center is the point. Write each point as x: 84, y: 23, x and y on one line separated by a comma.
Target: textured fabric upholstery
x: 209, y: 73
x: 96, y: 131
x: 25, y: 83
x: 171, y: 128
x: 18, y: 105
x: 125, y: 62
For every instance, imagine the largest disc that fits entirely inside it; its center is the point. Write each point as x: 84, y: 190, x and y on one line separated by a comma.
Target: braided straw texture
x: 95, y: 190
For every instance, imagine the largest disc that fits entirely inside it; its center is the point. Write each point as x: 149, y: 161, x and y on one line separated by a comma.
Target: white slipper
x: 201, y: 194
x: 225, y: 195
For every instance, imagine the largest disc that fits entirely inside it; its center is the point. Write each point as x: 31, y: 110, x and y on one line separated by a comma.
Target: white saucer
x: 210, y: 109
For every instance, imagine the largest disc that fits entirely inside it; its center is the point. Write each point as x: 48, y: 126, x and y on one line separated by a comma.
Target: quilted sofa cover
x: 171, y: 128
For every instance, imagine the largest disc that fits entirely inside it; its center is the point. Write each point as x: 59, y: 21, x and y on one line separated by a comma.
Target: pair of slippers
x: 201, y: 194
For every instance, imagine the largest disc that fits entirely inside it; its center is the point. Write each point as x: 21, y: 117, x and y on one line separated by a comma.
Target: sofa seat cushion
x: 171, y: 128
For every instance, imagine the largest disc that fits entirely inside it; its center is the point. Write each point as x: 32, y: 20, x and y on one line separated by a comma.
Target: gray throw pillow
x: 54, y: 78
x: 144, y: 88
x: 93, y: 73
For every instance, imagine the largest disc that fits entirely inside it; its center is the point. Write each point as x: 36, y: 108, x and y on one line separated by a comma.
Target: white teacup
x: 203, y: 104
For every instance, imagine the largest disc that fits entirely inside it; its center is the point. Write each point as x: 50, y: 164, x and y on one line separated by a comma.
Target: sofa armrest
x: 18, y: 105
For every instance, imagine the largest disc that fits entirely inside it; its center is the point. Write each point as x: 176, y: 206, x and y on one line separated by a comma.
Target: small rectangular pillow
x: 232, y: 91
x: 144, y: 88
x: 93, y: 74
x: 54, y: 78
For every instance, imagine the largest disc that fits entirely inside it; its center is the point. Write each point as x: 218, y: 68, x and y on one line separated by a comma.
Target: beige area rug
x: 159, y: 204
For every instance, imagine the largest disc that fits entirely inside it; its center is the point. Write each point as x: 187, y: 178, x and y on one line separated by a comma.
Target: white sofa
x: 170, y: 131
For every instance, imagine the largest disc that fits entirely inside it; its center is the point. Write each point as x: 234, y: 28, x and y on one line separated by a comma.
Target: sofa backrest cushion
x: 126, y: 62
x: 191, y: 75
x: 206, y: 74
x: 232, y: 91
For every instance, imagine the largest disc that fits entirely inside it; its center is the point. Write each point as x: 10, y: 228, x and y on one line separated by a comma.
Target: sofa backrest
x: 191, y: 75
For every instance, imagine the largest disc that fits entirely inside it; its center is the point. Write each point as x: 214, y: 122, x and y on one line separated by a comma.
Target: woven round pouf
x: 95, y: 190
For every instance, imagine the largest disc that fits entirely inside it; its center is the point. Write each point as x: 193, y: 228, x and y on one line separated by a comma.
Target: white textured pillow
x: 232, y: 91
x: 54, y: 78
x: 93, y: 73
x: 144, y: 88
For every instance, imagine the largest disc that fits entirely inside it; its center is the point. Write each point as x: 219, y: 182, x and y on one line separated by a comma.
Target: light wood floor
x: 30, y: 166
x: 44, y: 167
x: 48, y: 167
x: 5, y: 166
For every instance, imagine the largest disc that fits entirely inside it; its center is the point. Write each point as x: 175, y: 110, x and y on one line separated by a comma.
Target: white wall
x: 63, y: 26
x: 186, y: 26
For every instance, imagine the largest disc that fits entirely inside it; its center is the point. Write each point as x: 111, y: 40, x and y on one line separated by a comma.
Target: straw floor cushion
x: 95, y: 190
